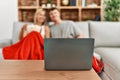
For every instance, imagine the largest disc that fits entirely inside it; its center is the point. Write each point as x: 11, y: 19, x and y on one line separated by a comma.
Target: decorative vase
x: 53, y: 5
x: 48, y: 5
x: 65, y: 2
x: 43, y: 6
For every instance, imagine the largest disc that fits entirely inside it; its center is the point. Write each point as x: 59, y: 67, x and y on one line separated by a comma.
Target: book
x: 97, y: 18
x: 83, y: 3
x: 72, y: 2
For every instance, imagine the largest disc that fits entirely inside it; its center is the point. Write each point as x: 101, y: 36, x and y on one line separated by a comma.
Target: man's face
x: 54, y: 15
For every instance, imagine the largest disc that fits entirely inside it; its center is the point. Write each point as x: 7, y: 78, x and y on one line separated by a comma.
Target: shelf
x: 69, y: 7
x: 91, y: 7
x: 27, y: 15
x: 81, y: 12
x: 27, y: 7
x: 64, y: 7
x: 70, y: 14
x: 91, y: 14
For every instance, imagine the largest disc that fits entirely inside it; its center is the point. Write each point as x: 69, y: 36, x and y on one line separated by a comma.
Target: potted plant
x: 48, y: 3
x: 112, y: 10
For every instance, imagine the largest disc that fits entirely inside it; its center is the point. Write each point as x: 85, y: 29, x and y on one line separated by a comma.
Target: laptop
x: 68, y: 54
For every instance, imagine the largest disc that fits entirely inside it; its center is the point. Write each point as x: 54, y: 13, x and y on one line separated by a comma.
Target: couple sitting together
x: 31, y: 43
x: 31, y: 38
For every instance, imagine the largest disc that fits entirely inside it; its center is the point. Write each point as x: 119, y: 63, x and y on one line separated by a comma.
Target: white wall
x: 8, y: 14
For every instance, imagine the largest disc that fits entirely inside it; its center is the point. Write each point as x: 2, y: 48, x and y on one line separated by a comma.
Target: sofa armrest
x: 5, y: 42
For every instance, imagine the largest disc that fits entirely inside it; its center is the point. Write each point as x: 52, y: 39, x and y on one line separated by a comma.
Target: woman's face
x: 41, y: 17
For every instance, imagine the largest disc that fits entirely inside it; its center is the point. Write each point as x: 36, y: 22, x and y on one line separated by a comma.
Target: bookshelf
x: 79, y: 10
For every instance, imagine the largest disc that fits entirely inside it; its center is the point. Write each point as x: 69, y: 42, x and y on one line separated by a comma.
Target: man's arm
x: 76, y: 31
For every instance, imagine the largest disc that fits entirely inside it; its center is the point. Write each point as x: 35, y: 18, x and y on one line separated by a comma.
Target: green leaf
x: 112, y: 10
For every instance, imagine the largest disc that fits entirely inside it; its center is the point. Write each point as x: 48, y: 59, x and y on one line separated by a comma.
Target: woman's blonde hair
x: 35, y: 16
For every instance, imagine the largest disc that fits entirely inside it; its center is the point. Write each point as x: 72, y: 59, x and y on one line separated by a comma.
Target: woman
x: 31, y: 44
x: 39, y: 21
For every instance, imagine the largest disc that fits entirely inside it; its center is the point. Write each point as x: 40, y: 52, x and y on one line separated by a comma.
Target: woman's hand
x: 47, y: 32
x: 23, y: 31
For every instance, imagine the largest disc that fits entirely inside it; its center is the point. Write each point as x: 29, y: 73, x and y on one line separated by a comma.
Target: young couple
x: 31, y: 44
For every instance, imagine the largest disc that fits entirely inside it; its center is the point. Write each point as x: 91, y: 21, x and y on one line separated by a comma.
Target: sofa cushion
x: 104, y: 76
x: 111, y: 60
x: 105, y: 33
x: 1, y: 55
x: 84, y: 27
x: 5, y: 42
x: 16, y: 30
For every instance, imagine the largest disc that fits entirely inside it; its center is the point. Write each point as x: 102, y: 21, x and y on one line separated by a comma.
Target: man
x: 63, y: 29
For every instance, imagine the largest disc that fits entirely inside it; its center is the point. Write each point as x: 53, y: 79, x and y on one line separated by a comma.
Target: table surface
x: 34, y: 70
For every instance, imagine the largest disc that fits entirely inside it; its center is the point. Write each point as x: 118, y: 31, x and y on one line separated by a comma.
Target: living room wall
x: 8, y: 14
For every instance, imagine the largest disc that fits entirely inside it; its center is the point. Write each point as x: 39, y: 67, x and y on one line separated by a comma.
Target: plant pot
x: 53, y: 5
x: 48, y: 5
x: 43, y: 6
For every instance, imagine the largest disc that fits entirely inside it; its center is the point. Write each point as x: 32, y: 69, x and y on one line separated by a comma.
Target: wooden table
x: 34, y: 70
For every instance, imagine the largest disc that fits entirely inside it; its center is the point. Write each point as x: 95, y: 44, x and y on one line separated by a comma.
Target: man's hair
x: 52, y: 9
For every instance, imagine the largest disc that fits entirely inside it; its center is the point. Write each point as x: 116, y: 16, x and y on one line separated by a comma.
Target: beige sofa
x: 107, y: 44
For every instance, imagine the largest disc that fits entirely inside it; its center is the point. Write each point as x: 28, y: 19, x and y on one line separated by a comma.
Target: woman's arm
x: 47, y: 32
x: 80, y: 36
x: 23, y: 31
